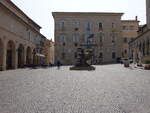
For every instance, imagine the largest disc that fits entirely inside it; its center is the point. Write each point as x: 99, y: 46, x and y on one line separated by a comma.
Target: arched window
x: 62, y: 38
x: 62, y: 25
x: 88, y: 26
x: 101, y: 38
x: 75, y: 38
x: 100, y: 26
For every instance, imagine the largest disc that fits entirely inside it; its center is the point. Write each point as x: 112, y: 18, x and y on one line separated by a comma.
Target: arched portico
x: 21, y: 56
x: 11, y: 54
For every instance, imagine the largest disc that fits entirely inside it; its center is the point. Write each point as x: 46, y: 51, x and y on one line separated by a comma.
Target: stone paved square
x: 109, y: 89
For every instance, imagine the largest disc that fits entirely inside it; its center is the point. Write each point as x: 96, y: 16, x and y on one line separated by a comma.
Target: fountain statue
x: 83, y: 56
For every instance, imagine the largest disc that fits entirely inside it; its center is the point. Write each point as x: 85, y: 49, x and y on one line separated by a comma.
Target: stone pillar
x: 16, y: 58
x: 25, y: 56
x: 31, y: 56
x: 4, y: 57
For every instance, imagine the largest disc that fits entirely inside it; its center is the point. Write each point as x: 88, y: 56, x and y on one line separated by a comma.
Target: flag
x: 91, y: 36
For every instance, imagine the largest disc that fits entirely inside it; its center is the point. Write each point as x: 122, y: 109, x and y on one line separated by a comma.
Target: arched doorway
x: 10, y: 59
x: 1, y: 55
x: 28, y: 57
x: 20, y: 56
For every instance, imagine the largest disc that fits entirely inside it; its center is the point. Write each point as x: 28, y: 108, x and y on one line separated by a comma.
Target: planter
x: 147, y: 67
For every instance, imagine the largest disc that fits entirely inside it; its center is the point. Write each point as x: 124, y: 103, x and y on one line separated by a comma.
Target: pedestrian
x: 58, y: 64
x: 50, y: 64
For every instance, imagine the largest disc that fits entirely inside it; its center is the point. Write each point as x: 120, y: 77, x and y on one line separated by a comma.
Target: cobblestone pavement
x: 109, y: 89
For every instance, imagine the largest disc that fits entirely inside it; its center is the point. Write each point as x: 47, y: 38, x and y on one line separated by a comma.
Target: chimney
x: 136, y: 18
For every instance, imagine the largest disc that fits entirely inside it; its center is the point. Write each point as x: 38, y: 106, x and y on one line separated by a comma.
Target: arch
x: 20, y: 56
x: 10, y: 57
x: 1, y: 55
x: 29, y: 56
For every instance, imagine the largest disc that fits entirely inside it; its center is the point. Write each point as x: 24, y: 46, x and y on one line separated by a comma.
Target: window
x: 125, y: 40
x: 76, y: 25
x: 75, y: 38
x: 86, y: 37
x: 100, y: 55
x: 101, y: 39
x: 125, y: 51
x: 113, y: 39
x: 113, y: 55
x: 125, y: 28
x: 100, y: 26
x: 63, y: 55
x: 75, y: 55
x: 62, y: 38
x: 131, y: 27
x: 113, y: 25
x: 88, y: 26
x: 62, y: 24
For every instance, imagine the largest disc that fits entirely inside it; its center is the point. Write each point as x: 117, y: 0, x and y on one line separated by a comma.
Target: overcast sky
x: 40, y: 10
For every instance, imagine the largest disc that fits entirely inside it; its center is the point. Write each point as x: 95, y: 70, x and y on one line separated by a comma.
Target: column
x: 16, y: 58
x: 31, y: 56
x: 4, y: 57
x: 25, y: 56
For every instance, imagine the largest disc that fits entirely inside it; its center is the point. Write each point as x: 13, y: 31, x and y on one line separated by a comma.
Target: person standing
x: 58, y: 64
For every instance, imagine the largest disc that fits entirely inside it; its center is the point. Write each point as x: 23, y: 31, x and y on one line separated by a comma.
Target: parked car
x: 119, y: 60
x: 126, y: 59
x: 131, y: 60
x: 122, y: 60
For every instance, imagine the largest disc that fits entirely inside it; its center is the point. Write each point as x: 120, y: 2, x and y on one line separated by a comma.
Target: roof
x: 17, y: 8
x: 130, y: 21
x: 141, y: 27
x: 148, y: 30
x: 25, y: 21
x: 88, y: 13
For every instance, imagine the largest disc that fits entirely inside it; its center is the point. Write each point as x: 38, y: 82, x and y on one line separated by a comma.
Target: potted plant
x: 147, y: 66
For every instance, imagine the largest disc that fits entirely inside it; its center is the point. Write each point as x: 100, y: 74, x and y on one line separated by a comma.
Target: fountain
x: 84, y: 55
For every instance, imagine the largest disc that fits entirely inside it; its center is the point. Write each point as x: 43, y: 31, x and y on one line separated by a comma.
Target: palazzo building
x: 102, y: 31
x: 140, y: 47
x: 129, y: 33
x: 21, y: 42
x: 49, y: 49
